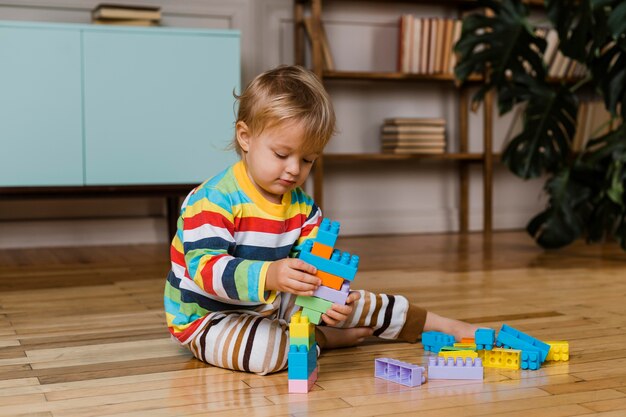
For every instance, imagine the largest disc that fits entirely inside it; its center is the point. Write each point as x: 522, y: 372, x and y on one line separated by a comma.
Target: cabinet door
x: 40, y: 107
x: 158, y: 105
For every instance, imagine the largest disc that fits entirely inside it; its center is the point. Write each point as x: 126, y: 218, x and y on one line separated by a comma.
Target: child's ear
x: 243, y: 136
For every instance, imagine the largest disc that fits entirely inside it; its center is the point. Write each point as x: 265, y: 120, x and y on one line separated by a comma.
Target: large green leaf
x: 548, y: 129
x: 564, y: 219
x: 504, y: 46
x: 609, y: 75
x: 573, y: 21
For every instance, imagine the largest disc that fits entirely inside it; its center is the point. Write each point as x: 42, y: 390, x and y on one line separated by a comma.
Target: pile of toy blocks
x: 336, y: 270
x: 511, y: 349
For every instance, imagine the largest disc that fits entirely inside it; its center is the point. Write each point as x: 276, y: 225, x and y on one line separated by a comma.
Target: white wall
x: 367, y: 199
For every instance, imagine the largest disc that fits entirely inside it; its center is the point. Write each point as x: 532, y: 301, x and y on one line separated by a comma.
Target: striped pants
x: 252, y: 343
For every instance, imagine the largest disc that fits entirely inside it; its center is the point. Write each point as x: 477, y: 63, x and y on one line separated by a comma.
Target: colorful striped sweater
x: 228, y: 234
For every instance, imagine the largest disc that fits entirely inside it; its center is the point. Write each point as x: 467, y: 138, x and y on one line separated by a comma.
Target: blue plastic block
x: 328, y: 232
x: 400, y: 372
x: 341, y: 264
x: 434, y: 341
x: 508, y: 336
x: 530, y: 360
x: 485, y: 339
x: 301, y: 361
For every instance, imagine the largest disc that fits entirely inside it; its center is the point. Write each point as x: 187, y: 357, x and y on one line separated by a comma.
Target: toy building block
x: 434, y: 341
x: 302, y: 386
x: 314, y: 316
x: 559, y: 351
x: 335, y: 296
x: 341, y: 264
x: 465, y: 345
x: 328, y: 232
x: 502, y: 358
x: 457, y: 353
x: 330, y: 280
x: 485, y: 338
x: 510, y: 337
x: 301, y: 330
x: 441, y: 368
x: 468, y: 340
x: 530, y: 360
x: 399, y: 372
x: 301, y: 361
x: 321, y: 250
x: 313, y: 303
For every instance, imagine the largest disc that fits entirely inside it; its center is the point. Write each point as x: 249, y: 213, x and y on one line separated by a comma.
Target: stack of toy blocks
x: 335, y: 269
x: 399, y: 372
x: 302, y: 371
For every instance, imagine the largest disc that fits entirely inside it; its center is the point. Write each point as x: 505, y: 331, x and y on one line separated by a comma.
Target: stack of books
x: 414, y: 135
x: 119, y: 14
x: 426, y: 45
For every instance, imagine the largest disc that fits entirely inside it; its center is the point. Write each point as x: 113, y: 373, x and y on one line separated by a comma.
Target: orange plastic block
x: 321, y: 250
x: 330, y: 280
x: 468, y: 340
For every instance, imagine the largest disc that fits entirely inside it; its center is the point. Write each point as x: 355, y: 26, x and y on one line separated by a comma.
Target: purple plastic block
x: 399, y: 372
x: 440, y: 368
x: 331, y: 294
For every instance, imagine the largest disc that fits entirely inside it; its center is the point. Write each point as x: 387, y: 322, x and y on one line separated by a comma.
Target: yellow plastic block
x: 465, y: 345
x: 321, y: 250
x: 559, y: 351
x: 330, y: 280
x: 502, y: 358
x: 458, y: 354
x: 301, y: 326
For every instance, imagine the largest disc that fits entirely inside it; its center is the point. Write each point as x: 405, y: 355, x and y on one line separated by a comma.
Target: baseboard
x: 122, y: 231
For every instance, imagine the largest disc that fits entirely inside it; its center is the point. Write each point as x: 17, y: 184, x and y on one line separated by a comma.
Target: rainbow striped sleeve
x: 208, y: 240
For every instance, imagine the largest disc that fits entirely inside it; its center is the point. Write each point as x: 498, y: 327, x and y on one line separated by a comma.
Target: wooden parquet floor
x: 82, y: 334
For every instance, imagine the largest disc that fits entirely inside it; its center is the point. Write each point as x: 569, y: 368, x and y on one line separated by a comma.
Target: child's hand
x: 292, y: 275
x: 338, y: 313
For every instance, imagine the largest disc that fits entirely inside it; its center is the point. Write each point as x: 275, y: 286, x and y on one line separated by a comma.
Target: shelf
x: 391, y: 76
x: 355, y: 157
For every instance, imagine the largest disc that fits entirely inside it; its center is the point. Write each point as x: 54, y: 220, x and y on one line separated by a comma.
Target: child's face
x: 275, y: 160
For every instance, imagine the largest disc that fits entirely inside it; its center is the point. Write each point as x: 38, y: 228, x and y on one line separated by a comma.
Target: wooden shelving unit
x: 462, y: 159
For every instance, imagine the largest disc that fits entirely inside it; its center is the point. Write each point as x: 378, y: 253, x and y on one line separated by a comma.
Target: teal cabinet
x: 158, y: 105
x: 41, y: 140
x: 96, y: 105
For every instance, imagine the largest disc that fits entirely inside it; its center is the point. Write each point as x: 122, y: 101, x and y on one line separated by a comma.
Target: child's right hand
x: 292, y: 275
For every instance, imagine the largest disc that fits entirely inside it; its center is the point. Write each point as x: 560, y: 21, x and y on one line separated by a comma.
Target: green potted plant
x: 586, y: 189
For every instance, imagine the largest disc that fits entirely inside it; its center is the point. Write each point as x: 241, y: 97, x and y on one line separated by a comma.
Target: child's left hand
x: 338, y: 313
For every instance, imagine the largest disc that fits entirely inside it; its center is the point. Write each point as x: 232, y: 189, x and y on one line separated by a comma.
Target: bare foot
x: 332, y: 337
x: 458, y: 329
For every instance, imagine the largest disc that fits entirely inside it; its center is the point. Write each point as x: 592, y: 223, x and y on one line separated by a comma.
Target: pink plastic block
x: 333, y: 295
x: 303, y: 386
x: 440, y: 368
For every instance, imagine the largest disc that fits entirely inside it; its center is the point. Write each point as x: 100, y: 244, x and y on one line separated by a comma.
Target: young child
x: 235, y: 273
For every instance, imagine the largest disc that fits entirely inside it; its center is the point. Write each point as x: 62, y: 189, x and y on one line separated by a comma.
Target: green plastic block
x: 314, y: 316
x: 313, y: 303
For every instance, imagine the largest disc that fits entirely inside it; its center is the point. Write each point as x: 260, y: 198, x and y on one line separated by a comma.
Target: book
x: 416, y: 45
x: 456, y: 35
x: 447, y: 46
x: 432, y: 47
x: 125, y: 22
x: 414, y: 129
x: 414, y: 150
x: 422, y: 121
x: 123, y: 11
x: 424, y: 47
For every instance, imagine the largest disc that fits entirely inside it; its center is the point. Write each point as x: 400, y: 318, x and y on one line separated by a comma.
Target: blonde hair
x: 287, y: 94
